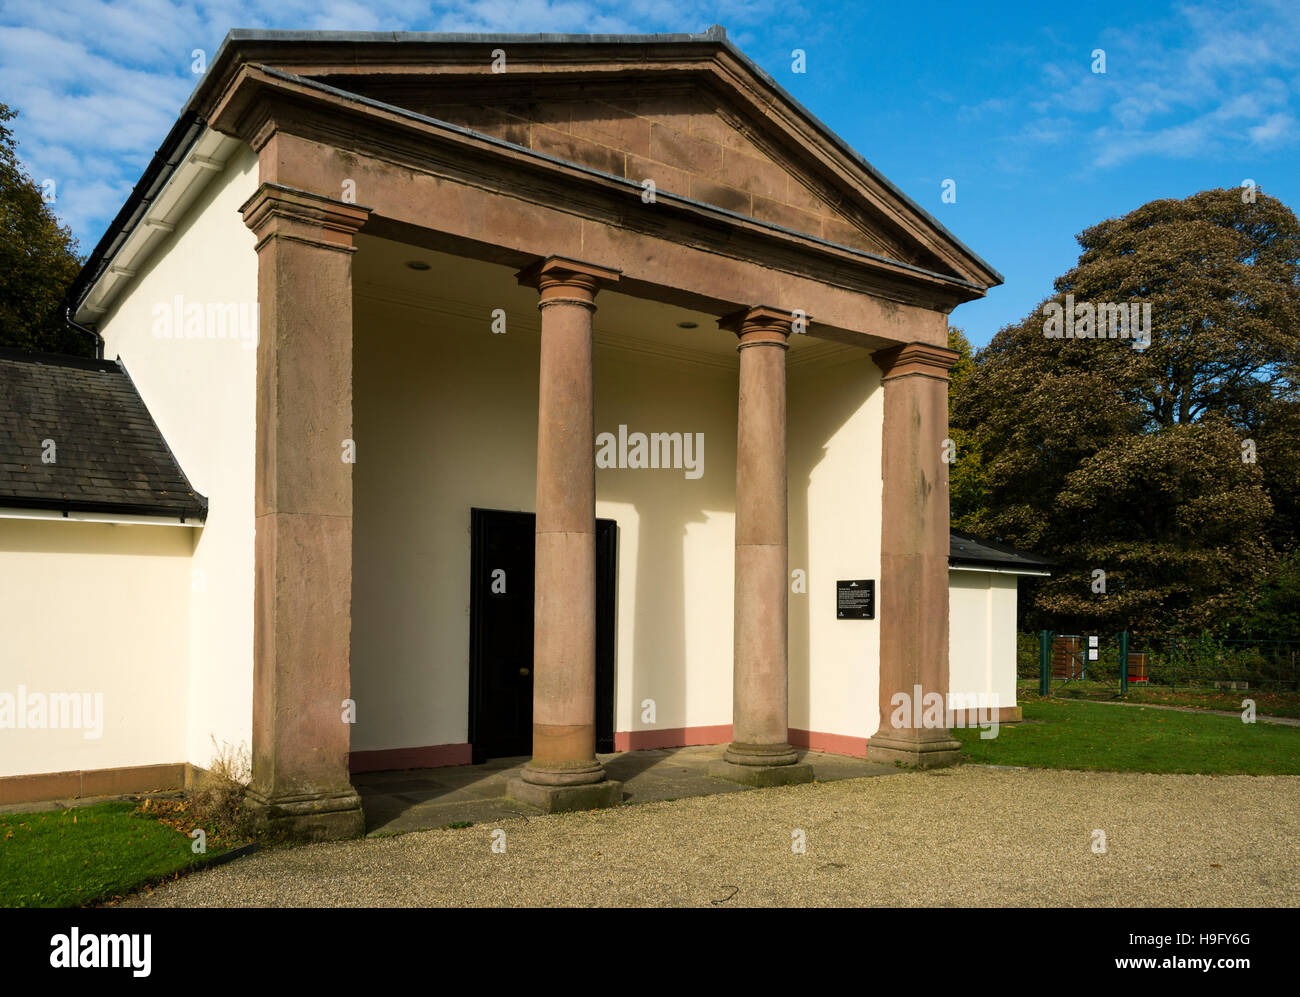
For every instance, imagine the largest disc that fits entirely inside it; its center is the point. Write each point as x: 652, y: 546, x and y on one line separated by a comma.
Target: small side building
x: 97, y: 533
x: 983, y: 584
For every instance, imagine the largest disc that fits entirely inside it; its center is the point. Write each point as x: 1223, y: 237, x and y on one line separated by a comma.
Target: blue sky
x: 999, y: 97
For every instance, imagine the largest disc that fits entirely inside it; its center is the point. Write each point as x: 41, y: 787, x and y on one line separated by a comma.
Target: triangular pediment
x: 683, y: 142
x: 689, y: 113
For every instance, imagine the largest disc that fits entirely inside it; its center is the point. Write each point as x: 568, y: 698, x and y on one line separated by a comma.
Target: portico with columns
x: 662, y: 204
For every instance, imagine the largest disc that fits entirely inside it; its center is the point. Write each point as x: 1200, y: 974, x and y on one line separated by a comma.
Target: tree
x: 38, y: 261
x: 1221, y: 272
x: 1177, y: 523
x: 1275, y: 609
x: 1169, y: 468
x: 965, y: 471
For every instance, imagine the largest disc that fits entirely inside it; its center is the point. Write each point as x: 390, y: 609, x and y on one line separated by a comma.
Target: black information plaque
x: 855, y: 600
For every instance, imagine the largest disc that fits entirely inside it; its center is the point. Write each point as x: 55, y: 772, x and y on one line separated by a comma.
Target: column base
x: 762, y: 776
x: 562, y: 799
x: 921, y: 754
x: 307, y: 816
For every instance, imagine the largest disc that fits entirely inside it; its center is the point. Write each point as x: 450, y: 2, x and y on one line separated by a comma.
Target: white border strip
x: 75, y: 516
x: 998, y: 571
x: 206, y: 158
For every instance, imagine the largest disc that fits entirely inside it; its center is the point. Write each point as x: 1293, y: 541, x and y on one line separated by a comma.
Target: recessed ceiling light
x: 417, y: 265
x: 688, y: 325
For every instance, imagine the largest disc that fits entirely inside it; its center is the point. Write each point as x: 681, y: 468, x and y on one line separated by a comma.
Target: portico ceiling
x: 468, y: 291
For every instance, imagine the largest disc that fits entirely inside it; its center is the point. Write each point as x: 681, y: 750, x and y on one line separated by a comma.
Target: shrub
x: 217, y: 798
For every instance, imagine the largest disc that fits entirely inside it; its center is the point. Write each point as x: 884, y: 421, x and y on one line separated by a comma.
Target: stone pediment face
x: 685, y: 139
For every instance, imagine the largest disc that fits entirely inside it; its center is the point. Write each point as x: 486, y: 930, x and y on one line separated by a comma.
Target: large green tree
x: 965, y: 471
x: 1171, y: 468
x: 38, y: 260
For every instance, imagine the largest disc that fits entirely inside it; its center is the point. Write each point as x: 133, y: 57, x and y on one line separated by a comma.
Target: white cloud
x: 98, y: 84
x: 1209, y: 80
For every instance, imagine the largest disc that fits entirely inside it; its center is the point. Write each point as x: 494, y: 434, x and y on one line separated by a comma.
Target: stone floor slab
x: 423, y: 799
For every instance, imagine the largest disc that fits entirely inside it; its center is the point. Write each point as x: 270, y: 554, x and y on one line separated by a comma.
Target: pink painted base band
x: 429, y: 757
x: 441, y: 755
x: 832, y: 744
x: 671, y: 737
x: 681, y: 737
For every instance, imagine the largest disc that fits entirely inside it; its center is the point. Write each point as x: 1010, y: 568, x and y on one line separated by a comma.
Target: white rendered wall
x: 98, y: 609
x: 835, y: 413
x: 982, y: 635
x: 202, y: 392
x: 446, y: 420
x: 676, y: 543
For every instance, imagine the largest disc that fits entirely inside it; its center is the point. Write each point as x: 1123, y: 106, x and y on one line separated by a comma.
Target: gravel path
x: 963, y: 836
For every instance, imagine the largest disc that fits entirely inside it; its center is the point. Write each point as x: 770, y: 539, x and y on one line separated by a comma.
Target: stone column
x: 564, y: 773
x: 914, y: 559
x: 302, y: 589
x: 760, y: 753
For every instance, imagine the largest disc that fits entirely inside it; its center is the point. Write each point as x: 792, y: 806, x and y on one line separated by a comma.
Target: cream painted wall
x: 835, y: 414
x: 201, y: 392
x: 676, y: 541
x: 446, y: 420
x: 982, y: 634
x: 101, y: 609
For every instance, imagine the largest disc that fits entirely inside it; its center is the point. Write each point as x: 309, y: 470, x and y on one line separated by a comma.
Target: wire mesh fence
x: 1117, y: 663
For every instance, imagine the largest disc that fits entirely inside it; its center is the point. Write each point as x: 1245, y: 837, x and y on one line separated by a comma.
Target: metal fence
x: 1122, y: 661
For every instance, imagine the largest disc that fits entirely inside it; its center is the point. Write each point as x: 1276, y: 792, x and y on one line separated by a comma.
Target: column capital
x: 279, y: 212
x: 915, y: 358
x: 559, y: 278
x: 761, y: 325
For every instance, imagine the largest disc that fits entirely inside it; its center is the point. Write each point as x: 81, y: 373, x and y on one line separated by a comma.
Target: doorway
x: 502, y: 554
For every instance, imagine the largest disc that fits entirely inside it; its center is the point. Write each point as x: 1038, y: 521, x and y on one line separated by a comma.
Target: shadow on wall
x: 445, y: 417
x: 678, y: 534
x: 838, y: 531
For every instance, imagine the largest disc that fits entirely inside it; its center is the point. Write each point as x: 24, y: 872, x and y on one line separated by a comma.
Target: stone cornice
x: 915, y: 358
x: 276, y: 211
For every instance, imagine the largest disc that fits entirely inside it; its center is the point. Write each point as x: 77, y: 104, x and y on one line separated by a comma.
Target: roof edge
x: 189, y: 124
x: 58, y: 360
x: 182, y: 513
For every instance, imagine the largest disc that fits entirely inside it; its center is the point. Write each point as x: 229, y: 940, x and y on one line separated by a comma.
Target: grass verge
x: 1096, y: 736
x: 85, y: 855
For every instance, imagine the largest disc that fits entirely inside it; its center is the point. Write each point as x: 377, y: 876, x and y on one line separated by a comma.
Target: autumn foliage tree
x: 1171, y: 469
x: 38, y: 261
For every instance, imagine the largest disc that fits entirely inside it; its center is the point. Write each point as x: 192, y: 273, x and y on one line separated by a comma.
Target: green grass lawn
x: 70, y: 858
x: 1103, y: 737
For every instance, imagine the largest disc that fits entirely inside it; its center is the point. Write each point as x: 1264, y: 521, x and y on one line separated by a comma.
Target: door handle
x: 524, y: 671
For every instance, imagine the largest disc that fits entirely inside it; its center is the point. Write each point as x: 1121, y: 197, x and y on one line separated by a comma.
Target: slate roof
x: 965, y: 550
x: 109, y: 454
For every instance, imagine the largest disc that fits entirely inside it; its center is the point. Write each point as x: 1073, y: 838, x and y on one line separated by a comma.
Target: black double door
x: 503, y: 551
